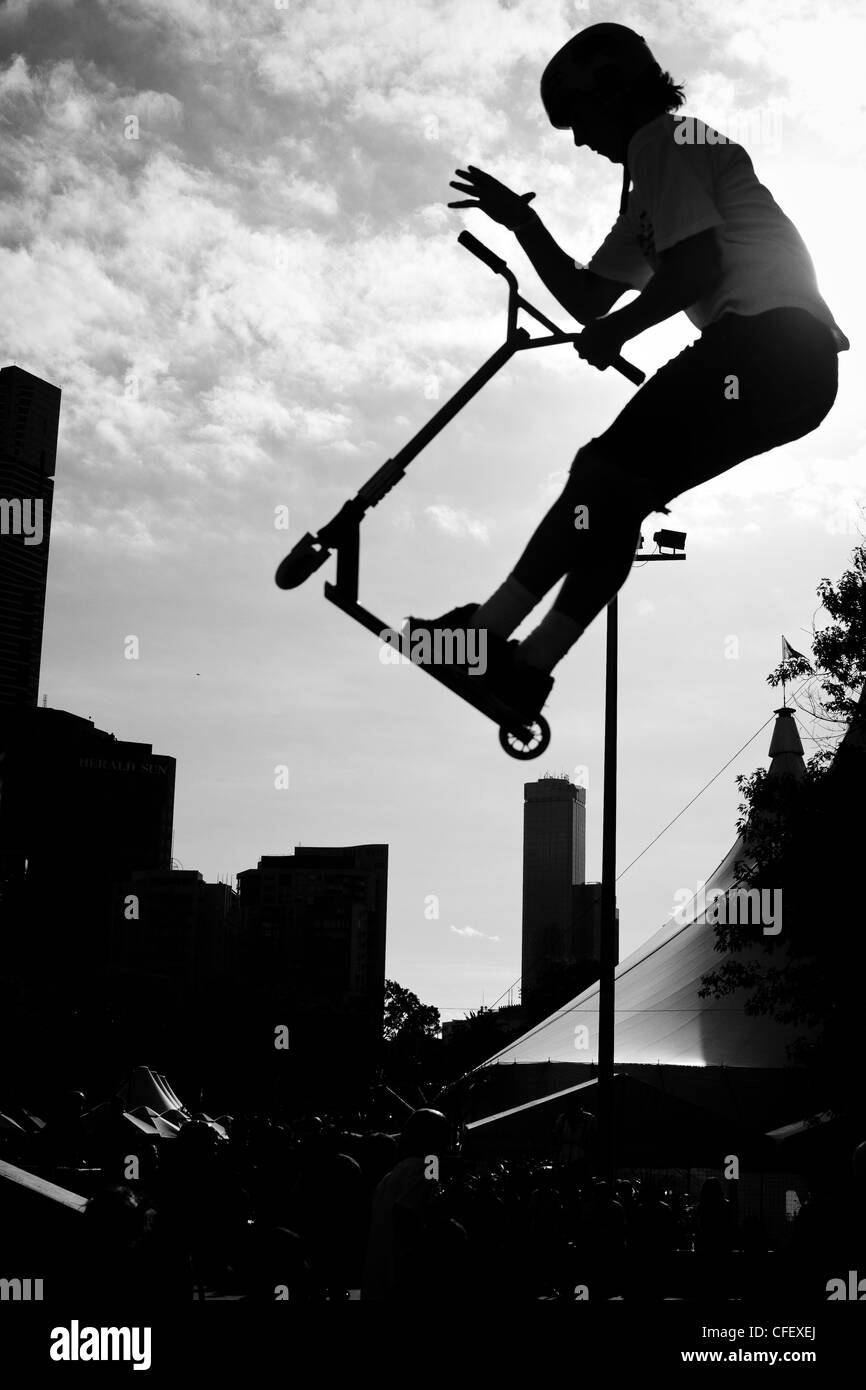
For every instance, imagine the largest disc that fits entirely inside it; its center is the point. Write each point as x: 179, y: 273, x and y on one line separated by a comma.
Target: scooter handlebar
x: 482, y: 252
x: 629, y: 370
x: 497, y: 264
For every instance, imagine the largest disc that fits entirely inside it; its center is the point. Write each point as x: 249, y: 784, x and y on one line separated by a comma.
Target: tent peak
x: 786, y: 750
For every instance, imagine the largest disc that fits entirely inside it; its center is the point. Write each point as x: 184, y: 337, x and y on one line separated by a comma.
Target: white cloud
x: 471, y: 932
x: 456, y: 522
x: 14, y: 11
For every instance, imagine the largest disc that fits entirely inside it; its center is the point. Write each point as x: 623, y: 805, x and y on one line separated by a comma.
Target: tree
x: 482, y: 1034
x: 840, y: 652
x: 406, y: 1018
x: 411, y: 1033
x: 804, y: 836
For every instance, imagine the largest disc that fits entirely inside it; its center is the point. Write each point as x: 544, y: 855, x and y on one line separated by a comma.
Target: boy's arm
x: 687, y: 272
x: 583, y: 294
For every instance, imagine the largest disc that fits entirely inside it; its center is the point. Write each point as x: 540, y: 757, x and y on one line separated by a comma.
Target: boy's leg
x: 506, y: 608
x: 595, y: 529
x: 586, y: 534
x: 586, y: 591
x: 681, y: 429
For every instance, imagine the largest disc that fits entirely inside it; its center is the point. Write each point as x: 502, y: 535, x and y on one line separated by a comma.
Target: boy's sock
x: 506, y: 609
x: 555, y: 635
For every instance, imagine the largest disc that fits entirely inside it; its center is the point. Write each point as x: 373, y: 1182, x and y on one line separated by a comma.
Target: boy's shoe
x: 454, y: 619
x: 525, y: 688
x: 495, y: 650
x: 522, y: 687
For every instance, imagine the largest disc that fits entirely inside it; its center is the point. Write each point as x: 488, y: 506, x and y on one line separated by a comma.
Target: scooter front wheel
x: 525, y: 741
x: 301, y: 562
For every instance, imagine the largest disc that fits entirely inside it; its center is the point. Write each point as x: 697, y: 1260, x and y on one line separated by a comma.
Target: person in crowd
x: 333, y: 1215
x: 601, y: 1241
x: 414, y: 1250
x: 202, y: 1208
x: 111, y: 1261
x: 652, y: 1239
x: 575, y: 1135
x: 274, y: 1267
x: 714, y: 1225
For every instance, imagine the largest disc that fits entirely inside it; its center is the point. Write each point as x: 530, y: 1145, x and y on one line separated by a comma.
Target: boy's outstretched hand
x: 491, y: 196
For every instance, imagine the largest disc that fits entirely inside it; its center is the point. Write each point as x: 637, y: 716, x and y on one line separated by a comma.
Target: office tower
x: 29, y: 415
x: 313, y: 931
x: 172, y: 925
x: 561, y: 911
x: 80, y: 811
x: 554, y: 860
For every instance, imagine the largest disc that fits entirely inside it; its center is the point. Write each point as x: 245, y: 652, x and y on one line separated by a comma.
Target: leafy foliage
x: 805, y: 837
x: 406, y: 1018
x: 839, y: 647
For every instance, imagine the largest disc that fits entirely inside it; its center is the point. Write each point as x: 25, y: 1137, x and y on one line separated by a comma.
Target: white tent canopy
x: 148, y: 1088
x: 660, y: 1017
x: 151, y: 1103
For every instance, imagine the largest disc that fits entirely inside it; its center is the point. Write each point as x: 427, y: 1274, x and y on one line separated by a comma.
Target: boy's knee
x: 604, y: 478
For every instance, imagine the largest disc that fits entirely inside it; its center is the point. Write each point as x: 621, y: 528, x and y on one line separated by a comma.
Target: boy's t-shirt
x: 680, y: 189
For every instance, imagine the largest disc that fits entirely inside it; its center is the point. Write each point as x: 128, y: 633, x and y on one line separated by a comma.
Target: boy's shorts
x: 681, y: 428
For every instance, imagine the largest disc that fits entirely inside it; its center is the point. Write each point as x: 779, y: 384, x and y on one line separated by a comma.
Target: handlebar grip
x: 483, y: 252
x: 628, y: 370
x: 497, y: 264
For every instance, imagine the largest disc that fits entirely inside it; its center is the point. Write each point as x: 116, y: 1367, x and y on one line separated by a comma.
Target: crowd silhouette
x: 313, y: 1210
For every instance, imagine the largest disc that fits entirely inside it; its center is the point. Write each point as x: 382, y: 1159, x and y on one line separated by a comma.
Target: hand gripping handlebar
x: 499, y: 266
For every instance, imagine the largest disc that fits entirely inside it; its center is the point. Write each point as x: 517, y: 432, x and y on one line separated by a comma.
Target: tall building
x: 313, y: 930
x: 561, y: 911
x: 29, y: 417
x: 80, y: 810
x: 170, y: 923
x: 554, y: 860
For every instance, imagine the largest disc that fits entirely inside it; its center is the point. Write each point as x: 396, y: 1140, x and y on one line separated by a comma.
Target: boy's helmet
x: 600, y: 59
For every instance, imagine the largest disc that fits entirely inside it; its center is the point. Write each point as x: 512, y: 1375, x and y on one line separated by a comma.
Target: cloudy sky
x: 223, y: 233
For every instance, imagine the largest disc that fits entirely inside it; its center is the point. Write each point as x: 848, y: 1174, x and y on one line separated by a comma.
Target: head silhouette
x: 602, y: 85
x: 425, y: 1132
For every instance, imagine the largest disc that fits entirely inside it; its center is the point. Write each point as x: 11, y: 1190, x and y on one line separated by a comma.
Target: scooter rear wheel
x: 525, y: 741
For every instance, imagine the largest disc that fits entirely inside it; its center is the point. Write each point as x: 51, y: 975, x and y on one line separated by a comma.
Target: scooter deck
x: 528, y: 734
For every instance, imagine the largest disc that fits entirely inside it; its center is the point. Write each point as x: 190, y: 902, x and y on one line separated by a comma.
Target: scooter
x: 519, y: 737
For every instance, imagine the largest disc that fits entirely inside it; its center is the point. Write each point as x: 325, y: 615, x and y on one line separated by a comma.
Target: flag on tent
x: 788, y: 653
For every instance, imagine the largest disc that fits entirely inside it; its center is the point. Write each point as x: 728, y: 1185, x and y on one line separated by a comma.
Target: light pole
x: 675, y: 543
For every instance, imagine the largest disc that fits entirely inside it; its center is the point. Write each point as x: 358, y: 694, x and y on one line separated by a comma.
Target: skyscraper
x: 313, y: 930
x: 79, y: 811
x: 29, y: 416
x: 554, y: 860
x: 561, y: 911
